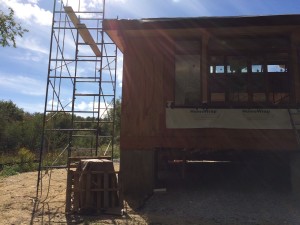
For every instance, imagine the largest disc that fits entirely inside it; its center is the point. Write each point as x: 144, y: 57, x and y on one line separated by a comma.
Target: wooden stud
x: 204, y: 69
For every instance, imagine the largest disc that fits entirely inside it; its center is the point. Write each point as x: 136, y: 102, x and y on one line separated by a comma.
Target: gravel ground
x: 233, y: 195
x: 222, y: 207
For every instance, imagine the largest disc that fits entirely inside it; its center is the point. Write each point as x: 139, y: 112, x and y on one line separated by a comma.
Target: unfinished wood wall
x: 148, y: 83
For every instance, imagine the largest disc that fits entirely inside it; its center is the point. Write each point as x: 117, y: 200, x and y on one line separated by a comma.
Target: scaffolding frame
x: 79, y: 110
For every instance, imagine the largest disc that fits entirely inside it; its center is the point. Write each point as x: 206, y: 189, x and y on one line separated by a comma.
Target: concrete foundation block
x: 138, y: 172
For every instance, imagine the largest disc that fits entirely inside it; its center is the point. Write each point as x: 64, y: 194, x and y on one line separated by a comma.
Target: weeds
x: 10, y: 170
x: 24, y: 161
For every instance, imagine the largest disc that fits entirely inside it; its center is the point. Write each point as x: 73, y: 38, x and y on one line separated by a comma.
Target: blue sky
x: 23, y: 70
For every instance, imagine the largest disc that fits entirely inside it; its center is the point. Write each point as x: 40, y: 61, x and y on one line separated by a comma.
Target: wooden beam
x: 295, y: 76
x: 205, y: 70
x: 83, y: 30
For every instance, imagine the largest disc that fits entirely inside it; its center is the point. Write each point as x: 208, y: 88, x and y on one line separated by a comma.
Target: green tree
x: 32, y: 131
x: 117, y: 120
x: 10, y: 111
x: 9, y: 29
x: 11, y: 118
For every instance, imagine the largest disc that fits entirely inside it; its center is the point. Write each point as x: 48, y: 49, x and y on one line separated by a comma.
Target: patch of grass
x: 55, y: 159
x: 24, y: 161
x: 10, y: 170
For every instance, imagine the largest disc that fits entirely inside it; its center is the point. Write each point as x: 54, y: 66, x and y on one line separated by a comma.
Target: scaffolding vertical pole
x: 45, y: 107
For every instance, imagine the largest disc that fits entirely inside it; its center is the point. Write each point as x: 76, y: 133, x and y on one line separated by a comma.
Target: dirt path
x: 203, y: 203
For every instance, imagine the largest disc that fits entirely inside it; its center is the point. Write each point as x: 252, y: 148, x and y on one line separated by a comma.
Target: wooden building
x: 206, y: 85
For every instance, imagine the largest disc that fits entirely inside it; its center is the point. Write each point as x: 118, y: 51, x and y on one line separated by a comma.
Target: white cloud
x: 119, y: 1
x: 33, y: 1
x: 52, y: 103
x: 29, y: 57
x: 31, y: 107
x: 88, y: 106
x: 59, y: 105
x: 84, y: 4
x: 32, y: 44
x: 29, y: 11
x: 82, y: 106
x: 22, y: 84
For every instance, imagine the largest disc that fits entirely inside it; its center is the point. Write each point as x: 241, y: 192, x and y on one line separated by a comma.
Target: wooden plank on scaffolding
x: 83, y: 30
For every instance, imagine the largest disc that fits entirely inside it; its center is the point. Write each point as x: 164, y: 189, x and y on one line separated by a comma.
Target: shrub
x: 10, y: 170
x: 26, y: 159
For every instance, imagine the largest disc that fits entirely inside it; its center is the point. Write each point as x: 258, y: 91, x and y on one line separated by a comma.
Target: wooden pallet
x: 94, y: 188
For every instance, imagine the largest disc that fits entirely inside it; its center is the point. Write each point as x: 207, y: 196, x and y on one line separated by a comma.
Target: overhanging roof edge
x: 202, y: 22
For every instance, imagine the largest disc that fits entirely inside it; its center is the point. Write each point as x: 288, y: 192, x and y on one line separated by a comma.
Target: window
x: 276, y: 68
x: 256, y: 68
x: 228, y: 79
x: 258, y: 84
x: 187, y: 80
x: 217, y: 79
x: 278, y: 78
x: 236, y: 64
x: 187, y: 74
x: 249, y: 79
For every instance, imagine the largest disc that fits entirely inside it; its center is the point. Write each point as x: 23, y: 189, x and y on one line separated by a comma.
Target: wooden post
x: 68, y: 191
x: 295, y: 80
x: 204, y: 65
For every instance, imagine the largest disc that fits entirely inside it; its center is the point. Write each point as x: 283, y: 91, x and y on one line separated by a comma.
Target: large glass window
x: 237, y: 70
x: 236, y: 64
x: 217, y: 80
x: 187, y: 80
x: 249, y: 79
x: 278, y: 78
x: 243, y: 72
x: 187, y: 73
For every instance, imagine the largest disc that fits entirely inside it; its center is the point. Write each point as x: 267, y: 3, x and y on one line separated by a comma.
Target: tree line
x: 19, y: 129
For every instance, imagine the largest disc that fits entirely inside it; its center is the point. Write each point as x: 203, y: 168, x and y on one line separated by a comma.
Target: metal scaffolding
x: 79, y: 115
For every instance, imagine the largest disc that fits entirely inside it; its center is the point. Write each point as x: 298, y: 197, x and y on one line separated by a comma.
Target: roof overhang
x: 119, y: 30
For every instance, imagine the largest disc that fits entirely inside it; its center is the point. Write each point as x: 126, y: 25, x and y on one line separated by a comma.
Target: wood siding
x: 148, y: 84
